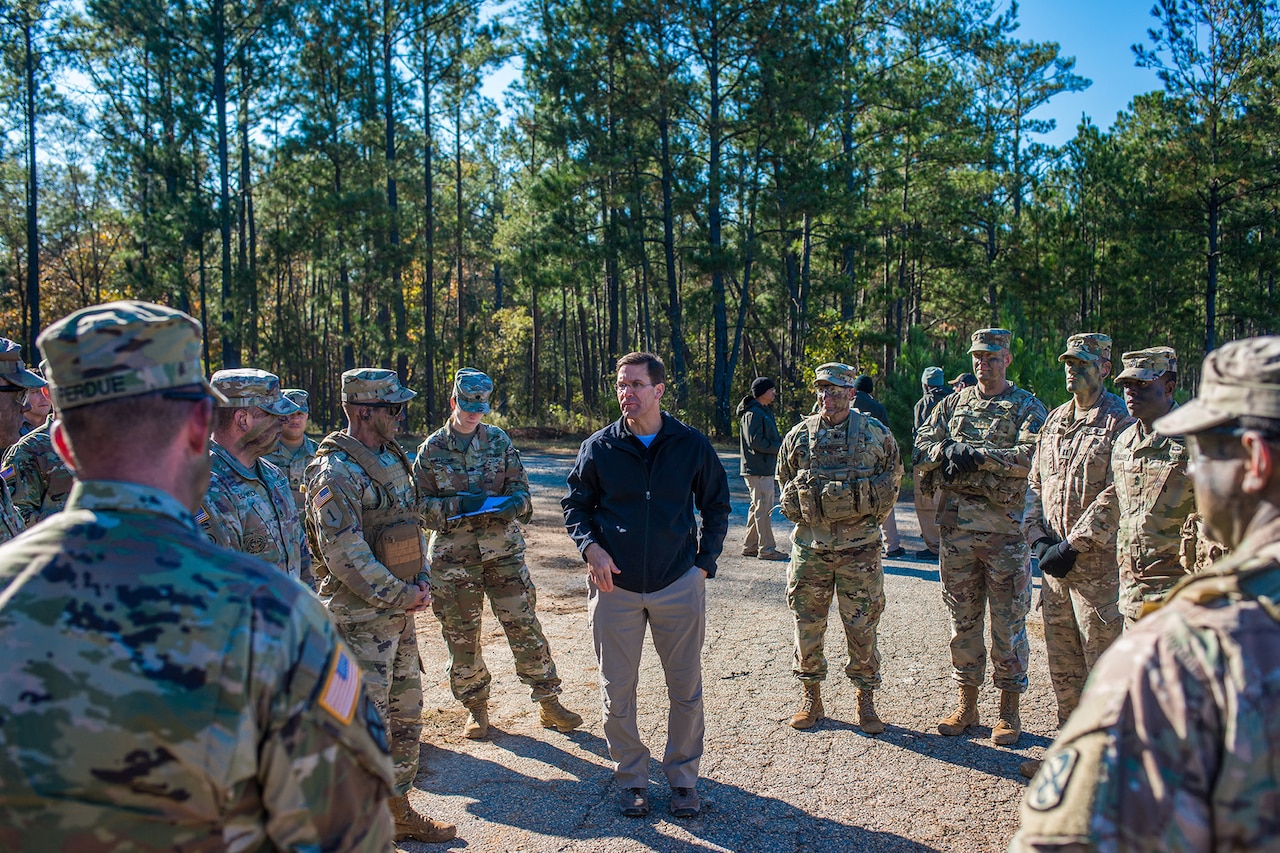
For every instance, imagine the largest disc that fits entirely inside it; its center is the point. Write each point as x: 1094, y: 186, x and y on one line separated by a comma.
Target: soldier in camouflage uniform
x: 976, y: 446
x: 1149, y: 509
x: 292, y: 454
x: 840, y: 471
x: 158, y: 692
x: 364, y: 527
x: 1070, y: 468
x: 249, y: 507
x: 15, y: 383
x: 474, y: 491
x: 295, y: 450
x: 1174, y: 744
x: 40, y: 480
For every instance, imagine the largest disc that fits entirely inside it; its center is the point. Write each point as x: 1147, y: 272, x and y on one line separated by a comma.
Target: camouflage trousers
x: 387, y: 648
x: 854, y: 576
x: 977, y: 569
x: 1081, y: 619
x: 457, y: 599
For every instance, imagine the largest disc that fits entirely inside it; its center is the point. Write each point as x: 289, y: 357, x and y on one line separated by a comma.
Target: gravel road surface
x: 766, y: 787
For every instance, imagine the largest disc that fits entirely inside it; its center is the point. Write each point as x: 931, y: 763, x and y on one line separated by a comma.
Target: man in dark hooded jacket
x: 760, y: 441
x: 933, y: 388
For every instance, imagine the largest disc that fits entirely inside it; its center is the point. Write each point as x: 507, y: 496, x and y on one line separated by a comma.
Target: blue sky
x: 1098, y: 33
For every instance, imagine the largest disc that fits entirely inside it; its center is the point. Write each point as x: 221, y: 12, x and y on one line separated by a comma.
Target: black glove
x: 509, y: 509
x: 469, y: 502
x: 1040, y: 547
x: 1058, y: 559
x: 963, y: 457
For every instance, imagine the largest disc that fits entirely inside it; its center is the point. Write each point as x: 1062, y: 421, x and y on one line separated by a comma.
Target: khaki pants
x: 676, y: 618
x: 927, y: 512
x: 890, y: 531
x: 759, y: 523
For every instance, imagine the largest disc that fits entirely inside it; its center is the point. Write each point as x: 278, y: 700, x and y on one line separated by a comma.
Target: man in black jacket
x: 759, y: 442
x: 933, y: 389
x: 629, y: 508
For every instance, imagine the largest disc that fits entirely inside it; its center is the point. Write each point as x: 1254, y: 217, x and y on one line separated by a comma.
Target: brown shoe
x: 411, y: 826
x: 633, y: 802
x: 965, y: 714
x: 749, y: 552
x: 685, y: 802
x: 1008, y: 728
x: 553, y: 715
x: 477, y: 727
x: 1030, y: 767
x: 773, y: 554
x: 868, y: 720
x: 811, y: 710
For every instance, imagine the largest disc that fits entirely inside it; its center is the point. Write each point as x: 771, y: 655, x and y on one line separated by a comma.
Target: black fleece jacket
x: 637, y: 503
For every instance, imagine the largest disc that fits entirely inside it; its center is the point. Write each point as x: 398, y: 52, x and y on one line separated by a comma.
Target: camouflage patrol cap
x: 247, y: 387
x: 374, y: 385
x: 1147, y: 364
x: 12, y: 368
x: 990, y: 340
x: 1240, y: 379
x: 300, y: 398
x: 471, y: 390
x: 835, y: 373
x: 1087, y: 346
x: 121, y: 349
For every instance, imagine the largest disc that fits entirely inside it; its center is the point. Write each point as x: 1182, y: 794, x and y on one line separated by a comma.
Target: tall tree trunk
x: 33, y: 194
x: 398, y: 311
x: 669, y: 250
x: 428, y: 243
x: 230, y: 330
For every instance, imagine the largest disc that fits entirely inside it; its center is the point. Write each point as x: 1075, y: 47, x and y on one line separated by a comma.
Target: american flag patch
x: 342, y: 687
x: 202, y: 516
x: 323, y: 497
x: 7, y: 472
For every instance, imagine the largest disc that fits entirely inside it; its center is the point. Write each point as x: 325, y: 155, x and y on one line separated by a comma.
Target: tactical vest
x: 394, y: 533
x: 987, y: 425
x: 833, y: 481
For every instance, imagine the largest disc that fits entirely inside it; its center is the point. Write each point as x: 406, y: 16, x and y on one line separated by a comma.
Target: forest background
x: 747, y: 188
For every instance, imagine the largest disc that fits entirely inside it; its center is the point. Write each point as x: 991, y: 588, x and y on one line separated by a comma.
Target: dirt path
x: 766, y: 787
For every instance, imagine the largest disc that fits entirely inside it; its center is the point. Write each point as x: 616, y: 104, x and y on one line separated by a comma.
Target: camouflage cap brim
x: 482, y: 408
x: 1077, y: 354
x: 1138, y: 374
x: 282, y: 407
x: 1195, y: 416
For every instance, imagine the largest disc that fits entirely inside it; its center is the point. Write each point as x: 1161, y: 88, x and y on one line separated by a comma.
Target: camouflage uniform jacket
x: 851, y: 470
x: 353, y: 583
x: 1147, y: 505
x: 1004, y: 428
x: 252, y: 512
x: 487, y: 465
x: 11, y: 523
x: 1071, y: 467
x: 41, y: 480
x: 1173, y: 744
x: 158, y: 692
x: 293, y: 463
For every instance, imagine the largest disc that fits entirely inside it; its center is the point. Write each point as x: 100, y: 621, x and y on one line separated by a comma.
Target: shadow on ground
x: 575, y: 800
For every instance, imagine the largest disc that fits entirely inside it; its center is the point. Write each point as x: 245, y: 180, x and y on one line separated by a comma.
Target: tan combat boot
x: 1009, y: 727
x: 477, y: 727
x: 868, y: 720
x: 411, y: 826
x: 553, y: 715
x: 811, y: 710
x: 965, y: 714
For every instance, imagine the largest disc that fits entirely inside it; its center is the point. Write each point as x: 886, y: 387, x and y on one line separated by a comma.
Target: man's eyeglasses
x: 833, y: 391
x: 394, y: 408
x: 635, y: 387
